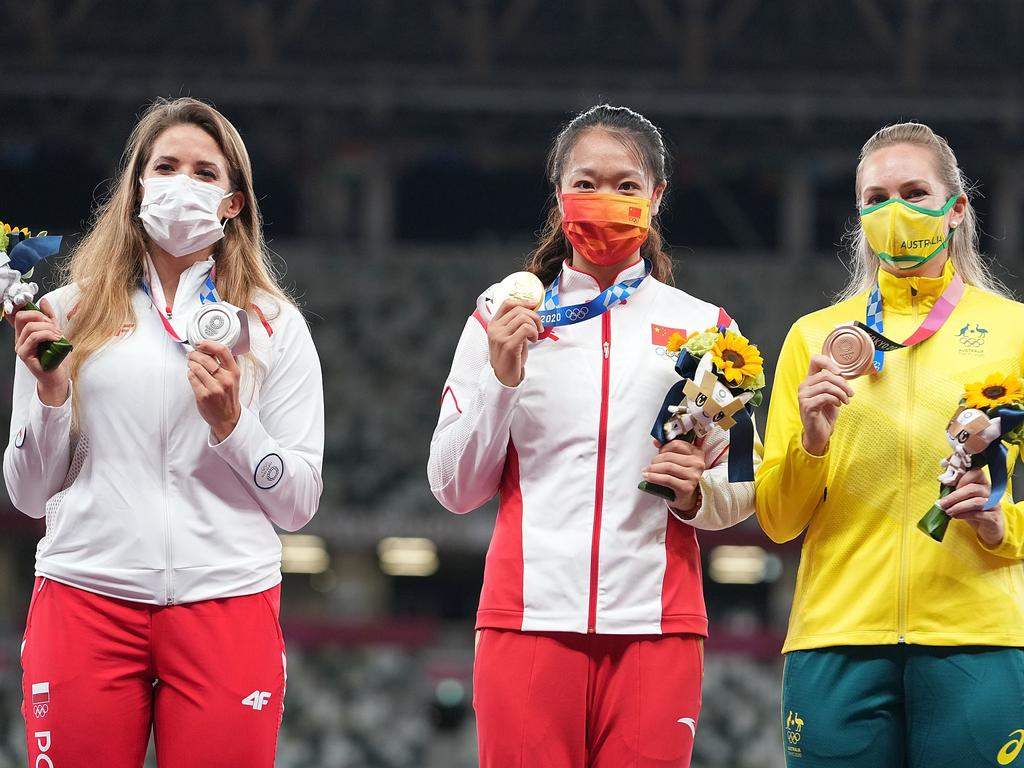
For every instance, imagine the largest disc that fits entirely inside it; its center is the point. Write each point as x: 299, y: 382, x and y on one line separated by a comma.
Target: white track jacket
x: 576, y: 546
x: 139, y: 502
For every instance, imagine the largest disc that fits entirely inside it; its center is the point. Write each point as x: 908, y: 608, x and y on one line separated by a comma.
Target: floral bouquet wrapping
x: 20, y: 251
x: 990, y: 416
x: 722, y: 378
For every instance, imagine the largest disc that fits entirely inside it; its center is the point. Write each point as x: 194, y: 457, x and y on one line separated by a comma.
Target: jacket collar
x: 188, y: 284
x: 900, y: 293
x: 576, y: 286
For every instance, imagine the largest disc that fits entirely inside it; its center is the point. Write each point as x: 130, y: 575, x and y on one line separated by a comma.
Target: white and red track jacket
x: 577, y: 547
x: 141, y: 503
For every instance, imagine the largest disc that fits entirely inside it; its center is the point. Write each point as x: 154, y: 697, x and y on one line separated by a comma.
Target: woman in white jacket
x: 592, y: 615
x: 162, y: 467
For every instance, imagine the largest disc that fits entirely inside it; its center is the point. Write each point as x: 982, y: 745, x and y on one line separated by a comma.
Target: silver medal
x: 222, y: 323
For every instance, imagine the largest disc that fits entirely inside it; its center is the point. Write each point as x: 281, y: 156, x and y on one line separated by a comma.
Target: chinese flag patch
x: 660, y: 334
x: 634, y: 213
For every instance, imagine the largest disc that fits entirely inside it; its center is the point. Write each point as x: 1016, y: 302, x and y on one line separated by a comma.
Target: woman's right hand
x: 513, y: 326
x: 820, y: 396
x: 31, y: 329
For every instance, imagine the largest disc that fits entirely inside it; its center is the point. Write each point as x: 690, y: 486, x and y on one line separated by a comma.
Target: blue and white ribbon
x: 874, y: 322
x: 553, y: 314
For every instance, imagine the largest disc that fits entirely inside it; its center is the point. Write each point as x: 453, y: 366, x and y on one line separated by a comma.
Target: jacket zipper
x: 168, y: 579
x: 908, y: 462
x: 602, y: 444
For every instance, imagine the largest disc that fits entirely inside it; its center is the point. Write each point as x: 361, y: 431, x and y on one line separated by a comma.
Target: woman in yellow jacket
x: 902, y: 652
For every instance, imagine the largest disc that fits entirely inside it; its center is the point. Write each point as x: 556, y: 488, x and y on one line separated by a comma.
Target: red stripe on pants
x: 564, y: 700
x: 208, y: 675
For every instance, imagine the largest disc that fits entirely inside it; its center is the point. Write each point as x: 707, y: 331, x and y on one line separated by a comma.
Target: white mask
x: 180, y: 213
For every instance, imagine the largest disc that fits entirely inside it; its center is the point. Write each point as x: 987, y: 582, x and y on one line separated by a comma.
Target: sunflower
x: 7, y: 229
x: 996, y: 390
x: 736, y: 358
x: 675, y: 342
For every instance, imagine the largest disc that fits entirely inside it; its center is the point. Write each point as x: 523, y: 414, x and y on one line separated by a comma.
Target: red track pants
x: 563, y: 700
x: 99, y: 672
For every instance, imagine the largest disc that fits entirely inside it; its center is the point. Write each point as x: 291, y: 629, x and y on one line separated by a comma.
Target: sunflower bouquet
x: 20, y: 251
x: 990, y: 416
x: 722, y: 382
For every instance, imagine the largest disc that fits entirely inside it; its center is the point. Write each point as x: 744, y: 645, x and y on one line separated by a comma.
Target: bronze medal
x: 851, y: 348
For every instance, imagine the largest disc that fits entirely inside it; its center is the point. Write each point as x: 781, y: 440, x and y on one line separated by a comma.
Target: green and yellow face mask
x: 903, y: 234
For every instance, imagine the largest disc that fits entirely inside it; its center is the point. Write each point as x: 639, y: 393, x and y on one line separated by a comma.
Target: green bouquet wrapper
x: 935, y: 520
x: 50, y: 353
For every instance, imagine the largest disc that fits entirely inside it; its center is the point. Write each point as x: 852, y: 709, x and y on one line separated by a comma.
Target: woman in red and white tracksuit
x: 163, y: 468
x: 592, y: 618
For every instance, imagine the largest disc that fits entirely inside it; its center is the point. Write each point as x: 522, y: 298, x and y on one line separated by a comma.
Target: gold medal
x: 851, y: 348
x: 519, y: 286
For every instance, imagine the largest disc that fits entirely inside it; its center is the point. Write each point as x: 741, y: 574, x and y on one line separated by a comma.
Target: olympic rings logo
x: 40, y: 710
x: 793, y: 736
x: 965, y: 342
x: 577, y: 313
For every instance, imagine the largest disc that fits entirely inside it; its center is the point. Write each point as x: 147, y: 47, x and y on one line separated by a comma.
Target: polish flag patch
x: 40, y: 693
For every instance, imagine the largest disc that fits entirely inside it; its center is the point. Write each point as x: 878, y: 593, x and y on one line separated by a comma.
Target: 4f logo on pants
x: 257, y: 700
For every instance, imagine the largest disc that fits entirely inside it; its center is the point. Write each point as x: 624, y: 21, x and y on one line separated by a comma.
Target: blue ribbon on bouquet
x: 30, y: 251
x: 995, y: 455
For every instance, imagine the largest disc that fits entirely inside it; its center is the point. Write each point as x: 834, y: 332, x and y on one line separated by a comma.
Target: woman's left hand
x: 214, y: 375
x: 679, y: 466
x: 967, y: 503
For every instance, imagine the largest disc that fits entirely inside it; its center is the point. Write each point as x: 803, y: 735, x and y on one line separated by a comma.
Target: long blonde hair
x: 963, y: 247
x: 107, y: 264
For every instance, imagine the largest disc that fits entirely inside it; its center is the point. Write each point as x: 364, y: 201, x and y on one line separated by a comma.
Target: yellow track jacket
x: 867, y: 575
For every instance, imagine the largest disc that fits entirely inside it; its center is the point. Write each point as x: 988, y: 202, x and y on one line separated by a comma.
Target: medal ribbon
x: 207, y: 295
x: 552, y: 314
x: 936, y: 318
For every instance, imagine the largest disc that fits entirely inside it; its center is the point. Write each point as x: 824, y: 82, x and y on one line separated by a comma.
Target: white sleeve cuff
x: 47, y: 415
x: 493, y: 389
x: 234, y: 443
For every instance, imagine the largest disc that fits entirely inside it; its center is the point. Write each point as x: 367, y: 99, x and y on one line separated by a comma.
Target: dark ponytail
x: 642, y: 137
